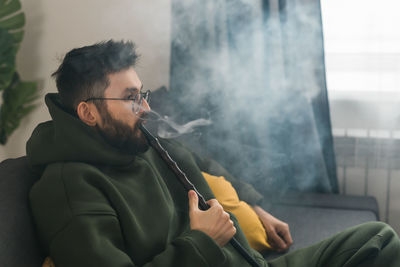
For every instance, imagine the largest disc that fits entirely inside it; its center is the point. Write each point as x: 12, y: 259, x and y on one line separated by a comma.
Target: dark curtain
x: 256, y: 70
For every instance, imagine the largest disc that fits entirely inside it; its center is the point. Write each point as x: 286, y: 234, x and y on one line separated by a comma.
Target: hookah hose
x: 153, y: 141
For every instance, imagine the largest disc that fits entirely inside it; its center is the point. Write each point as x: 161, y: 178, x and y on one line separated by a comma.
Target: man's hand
x: 278, y: 232
x: 215, y: 222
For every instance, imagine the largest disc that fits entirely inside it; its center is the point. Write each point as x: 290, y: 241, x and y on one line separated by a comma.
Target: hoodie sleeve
x: 96, y: 240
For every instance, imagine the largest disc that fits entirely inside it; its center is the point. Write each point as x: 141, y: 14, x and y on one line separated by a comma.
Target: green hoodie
x: 94, y: 206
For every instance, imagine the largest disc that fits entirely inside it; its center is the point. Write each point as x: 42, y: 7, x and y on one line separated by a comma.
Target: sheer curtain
x: 256, y: 69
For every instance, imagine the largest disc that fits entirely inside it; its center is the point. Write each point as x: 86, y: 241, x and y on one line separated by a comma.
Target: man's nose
x: 145, y: 105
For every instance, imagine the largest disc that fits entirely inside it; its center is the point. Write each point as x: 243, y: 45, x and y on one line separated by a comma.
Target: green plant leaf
x: 7, y: 8
x: 18, y: 101
x: 2, y: 2
x: 18, y: 35
x: 11, y: 33
x: 18, y: 96
x: 7, y: 58
x: 14, y: 22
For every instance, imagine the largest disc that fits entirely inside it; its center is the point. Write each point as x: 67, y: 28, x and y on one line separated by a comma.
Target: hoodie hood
x: 66, y: 138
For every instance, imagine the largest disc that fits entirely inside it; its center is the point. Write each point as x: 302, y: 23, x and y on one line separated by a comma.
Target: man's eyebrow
x: 132, y: 90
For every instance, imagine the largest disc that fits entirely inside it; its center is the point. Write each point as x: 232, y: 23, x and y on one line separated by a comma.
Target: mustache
x: 143, y: 116
x: 141, y: 119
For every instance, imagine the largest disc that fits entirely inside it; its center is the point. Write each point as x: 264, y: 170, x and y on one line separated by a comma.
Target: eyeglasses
x: 137, y: 100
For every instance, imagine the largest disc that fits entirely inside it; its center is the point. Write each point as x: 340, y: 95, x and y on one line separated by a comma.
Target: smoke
x: 189, y: 127
x: 167, y: 128
x: 255, y: 72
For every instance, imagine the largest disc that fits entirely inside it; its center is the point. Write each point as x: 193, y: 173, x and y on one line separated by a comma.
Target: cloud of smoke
x: 255, y: 76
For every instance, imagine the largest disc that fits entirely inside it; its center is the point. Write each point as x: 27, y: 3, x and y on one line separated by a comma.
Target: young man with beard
x: 105, y: 198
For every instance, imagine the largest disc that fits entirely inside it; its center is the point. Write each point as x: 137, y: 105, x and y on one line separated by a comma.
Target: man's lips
x: 141, y: 119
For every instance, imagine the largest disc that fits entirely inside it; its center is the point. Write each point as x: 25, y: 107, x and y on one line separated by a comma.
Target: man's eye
x: 131, y: 97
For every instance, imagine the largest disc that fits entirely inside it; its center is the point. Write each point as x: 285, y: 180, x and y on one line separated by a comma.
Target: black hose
x: 153, y: 141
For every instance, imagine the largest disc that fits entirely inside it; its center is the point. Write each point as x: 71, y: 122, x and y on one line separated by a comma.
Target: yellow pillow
x: 48, y: 262
x: 251, y: 225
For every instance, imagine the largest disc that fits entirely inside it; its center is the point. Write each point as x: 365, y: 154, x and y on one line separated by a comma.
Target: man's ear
x: 87, y: 113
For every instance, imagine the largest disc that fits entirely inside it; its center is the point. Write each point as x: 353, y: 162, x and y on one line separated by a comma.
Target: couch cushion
x: 249, y: 222
x: 309, y: 225
x: 320, y: 200
x: 18, y: 243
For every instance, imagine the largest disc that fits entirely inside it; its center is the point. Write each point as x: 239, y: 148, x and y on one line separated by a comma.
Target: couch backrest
x: 19, y: 246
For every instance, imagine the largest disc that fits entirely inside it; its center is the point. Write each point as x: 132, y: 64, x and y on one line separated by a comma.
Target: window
x: 362, y: 46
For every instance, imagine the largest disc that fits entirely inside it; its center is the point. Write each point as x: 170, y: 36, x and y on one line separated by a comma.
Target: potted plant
x: 17, y: 96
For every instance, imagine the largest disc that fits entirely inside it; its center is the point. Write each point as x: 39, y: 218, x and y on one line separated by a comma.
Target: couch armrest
x: 19, y: 245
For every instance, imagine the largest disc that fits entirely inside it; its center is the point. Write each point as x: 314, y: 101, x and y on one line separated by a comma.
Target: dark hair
x: 83, y: 72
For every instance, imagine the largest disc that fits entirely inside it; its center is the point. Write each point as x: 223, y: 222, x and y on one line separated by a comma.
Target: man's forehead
x: 123, y: 82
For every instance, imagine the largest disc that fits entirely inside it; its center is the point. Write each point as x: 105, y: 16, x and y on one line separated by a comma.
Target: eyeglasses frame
x: 143, y: 95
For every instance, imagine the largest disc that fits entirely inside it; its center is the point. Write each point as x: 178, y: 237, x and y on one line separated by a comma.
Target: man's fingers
x: 287, y: 237
x: 284, y: 233
x: 193, y: 201
x: 212, y: 202
x: 277, y: 240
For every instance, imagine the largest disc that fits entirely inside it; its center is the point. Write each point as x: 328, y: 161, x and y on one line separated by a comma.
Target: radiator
x: 368, y: 163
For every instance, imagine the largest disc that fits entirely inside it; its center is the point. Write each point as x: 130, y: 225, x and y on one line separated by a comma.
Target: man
x: 105, y: 198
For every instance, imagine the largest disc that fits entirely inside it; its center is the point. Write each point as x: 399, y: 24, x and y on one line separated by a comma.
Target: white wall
x: 53, y: 27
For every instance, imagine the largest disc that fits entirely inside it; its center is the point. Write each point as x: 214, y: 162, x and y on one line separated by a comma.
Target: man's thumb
x: 193, y: 200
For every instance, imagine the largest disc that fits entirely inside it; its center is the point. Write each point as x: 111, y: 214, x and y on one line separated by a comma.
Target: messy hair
x: 83, y: 72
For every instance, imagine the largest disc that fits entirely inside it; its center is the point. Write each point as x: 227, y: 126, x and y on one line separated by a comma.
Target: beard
x: 127, y: 139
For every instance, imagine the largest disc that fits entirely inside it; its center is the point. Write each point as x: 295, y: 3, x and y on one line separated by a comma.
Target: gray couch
x: 312, y: 217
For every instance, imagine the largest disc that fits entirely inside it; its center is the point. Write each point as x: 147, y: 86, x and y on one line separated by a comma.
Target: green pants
x: 368, y: 244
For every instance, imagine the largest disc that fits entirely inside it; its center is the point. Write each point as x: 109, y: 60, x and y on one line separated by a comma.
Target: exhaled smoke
x: 167, y: 128
x: 164, y: 130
